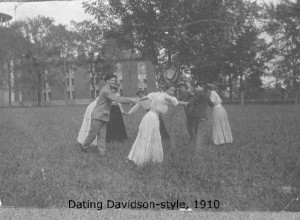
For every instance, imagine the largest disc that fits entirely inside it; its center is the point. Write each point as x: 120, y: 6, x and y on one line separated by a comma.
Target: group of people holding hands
x: 103, y: 121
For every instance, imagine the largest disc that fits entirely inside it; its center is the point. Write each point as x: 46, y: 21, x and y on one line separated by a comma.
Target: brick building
x: 133, y: 73
x: 4, y: 79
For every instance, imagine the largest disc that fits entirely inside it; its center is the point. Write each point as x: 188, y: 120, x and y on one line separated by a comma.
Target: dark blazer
x: 197, y: 107
x: 103, y: 106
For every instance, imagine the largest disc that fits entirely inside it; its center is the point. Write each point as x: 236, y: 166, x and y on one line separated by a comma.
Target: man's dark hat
x: 171, y: 75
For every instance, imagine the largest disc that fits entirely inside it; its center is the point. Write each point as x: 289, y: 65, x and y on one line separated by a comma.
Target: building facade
x: 75, y: 86
x: 132, y: 75
x: 7, y: 74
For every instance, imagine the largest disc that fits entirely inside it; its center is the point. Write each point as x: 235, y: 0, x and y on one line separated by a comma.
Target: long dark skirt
x: 116, y: 130
x: 163, y: 131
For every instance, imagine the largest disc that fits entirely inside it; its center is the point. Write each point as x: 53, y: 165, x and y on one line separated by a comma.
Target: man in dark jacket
x: 186, y: 95
x: 197, y: 109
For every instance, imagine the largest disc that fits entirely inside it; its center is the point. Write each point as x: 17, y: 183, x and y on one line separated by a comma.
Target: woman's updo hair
x: 211, y: 87
x: 168, y: 86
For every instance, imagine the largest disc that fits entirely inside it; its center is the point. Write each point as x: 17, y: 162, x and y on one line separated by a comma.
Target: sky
x: 62, y: 11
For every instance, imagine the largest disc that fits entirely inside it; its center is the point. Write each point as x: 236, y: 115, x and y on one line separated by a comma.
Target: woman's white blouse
x: 215, y: 98
x: 158, y: 102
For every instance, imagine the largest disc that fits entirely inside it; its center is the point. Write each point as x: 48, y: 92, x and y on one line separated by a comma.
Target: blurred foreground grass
x: 42, y: 166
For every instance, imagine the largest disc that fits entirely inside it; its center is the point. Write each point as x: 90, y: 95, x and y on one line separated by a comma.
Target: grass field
x: 41, y: 164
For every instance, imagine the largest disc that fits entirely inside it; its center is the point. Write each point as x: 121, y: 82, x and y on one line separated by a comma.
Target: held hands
x: 134, y: 100
x: 183, y: 103
x: 167, y: 100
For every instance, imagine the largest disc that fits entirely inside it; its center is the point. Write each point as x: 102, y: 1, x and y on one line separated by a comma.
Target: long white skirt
x: 86, y: 124
x: 147, y: 146
x: 220, y: 126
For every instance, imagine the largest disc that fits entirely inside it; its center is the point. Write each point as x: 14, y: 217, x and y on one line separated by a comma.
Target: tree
x: 63, y: 55
x: 244, y: 57
x: 284, y: 26
x: 167, y: 32
x: 94, y: 50
x: 12, y: 48
x: 49, y: 43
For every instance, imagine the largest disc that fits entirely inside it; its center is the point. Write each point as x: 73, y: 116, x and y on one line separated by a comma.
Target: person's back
x: 199, y: 103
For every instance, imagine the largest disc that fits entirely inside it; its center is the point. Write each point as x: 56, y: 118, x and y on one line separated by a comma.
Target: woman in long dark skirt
x: 116, y: 130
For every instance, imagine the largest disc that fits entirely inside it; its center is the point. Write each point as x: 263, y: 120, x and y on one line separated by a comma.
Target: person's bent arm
x: 119, y: 99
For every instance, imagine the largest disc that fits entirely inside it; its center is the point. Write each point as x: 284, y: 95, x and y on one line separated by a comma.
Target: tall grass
x: 41, y: 164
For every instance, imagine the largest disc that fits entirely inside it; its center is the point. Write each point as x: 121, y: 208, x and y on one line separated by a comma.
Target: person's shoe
x: 83, y: 149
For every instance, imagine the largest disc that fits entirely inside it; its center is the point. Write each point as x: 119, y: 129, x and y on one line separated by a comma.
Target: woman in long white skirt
x: 86, y: 123
x: 220, y: 124
x: 148, y: 146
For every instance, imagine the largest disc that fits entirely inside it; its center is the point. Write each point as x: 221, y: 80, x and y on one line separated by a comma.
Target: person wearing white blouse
x: 147, y: 146
x: 145, y: 104
x: 220, y: 124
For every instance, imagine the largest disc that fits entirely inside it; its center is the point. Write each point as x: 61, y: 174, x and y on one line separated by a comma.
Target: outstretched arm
x: 121, y: 108
x: 172, y: 100
x: 119, y: 99
x: 134, y: 108
x: 182, y: 103
x: 144, y: 98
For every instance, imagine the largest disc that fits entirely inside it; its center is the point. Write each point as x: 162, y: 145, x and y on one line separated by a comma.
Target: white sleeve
x: 151, y: 96
x: 213, y: 97
x: 173, y: 100
x: 121, y: 108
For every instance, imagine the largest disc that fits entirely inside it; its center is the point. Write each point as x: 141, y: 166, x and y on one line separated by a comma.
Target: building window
x: 49, y: 95
x: 118, y: 72
x: 97, y: 92
x: 73, y: 94
x: 91, y: 81
x: 121, y: 92
x: 68, y: 95
x: 142, y: 75
x: 45, y: 96
x: 92, y: 94
x: 72, y: 81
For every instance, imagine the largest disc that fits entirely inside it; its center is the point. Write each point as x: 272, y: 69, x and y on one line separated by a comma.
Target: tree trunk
x: 230, y: 87
x: 65, y: 83
x: 242, y: 97
x: 93, y: 81
x: 39, y: 90
x: 169, y: 58
x: 9, y: 82
x: 242, y: 91
x: 296, y: 88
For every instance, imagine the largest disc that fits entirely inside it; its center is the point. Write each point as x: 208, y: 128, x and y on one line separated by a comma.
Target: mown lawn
x: 41, y: 164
